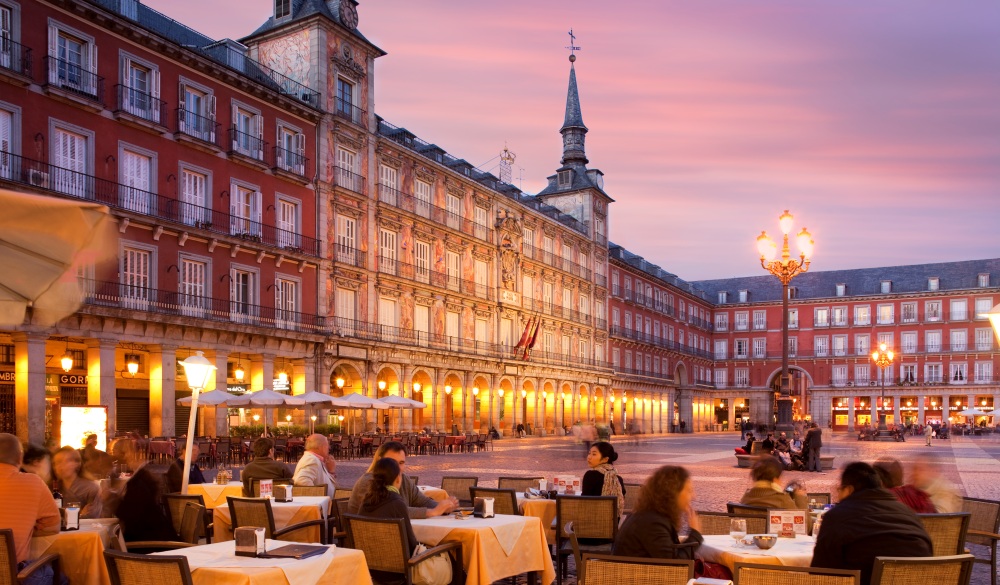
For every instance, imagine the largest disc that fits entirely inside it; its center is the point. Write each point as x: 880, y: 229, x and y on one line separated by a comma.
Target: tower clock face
x: 348, y: 14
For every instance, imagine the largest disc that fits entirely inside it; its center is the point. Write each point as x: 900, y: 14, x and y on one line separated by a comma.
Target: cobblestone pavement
x: 972, y: 463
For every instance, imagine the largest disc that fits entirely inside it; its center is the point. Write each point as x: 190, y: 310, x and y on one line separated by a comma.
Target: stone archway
x: 801, y: 385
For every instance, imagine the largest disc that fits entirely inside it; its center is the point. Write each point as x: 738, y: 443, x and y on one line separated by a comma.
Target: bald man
x: 28, y: 507
x: 316, y: 467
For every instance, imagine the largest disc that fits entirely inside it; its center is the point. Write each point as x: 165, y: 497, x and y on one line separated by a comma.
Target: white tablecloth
x: 301, y: 509
x: 507, y: 529
x: 215, y: 494
x: 792, y: 552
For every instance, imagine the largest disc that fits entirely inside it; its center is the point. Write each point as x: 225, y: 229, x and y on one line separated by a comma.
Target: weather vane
x: 572, y: 46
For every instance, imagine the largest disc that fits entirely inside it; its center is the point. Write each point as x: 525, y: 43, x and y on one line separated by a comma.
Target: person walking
x: 928, y: 431
x: 814, y: 438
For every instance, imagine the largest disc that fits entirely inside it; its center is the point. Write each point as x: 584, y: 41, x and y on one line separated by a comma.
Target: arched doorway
x: 345, y: 379
x: 800, y: 389
x: 479, y: 411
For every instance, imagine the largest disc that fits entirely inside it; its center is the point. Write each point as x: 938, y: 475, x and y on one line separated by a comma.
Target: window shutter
x: 236, y: 128
x: 91, y: 81
x: 182, y: 100
x: 210, y: 100
x: 300, y: 149
x: 53, y: 54
x: 5, y: 128
x: 154, y: 90
x: 258, y: 123
x: 126, y: 77
x: 255, y: 211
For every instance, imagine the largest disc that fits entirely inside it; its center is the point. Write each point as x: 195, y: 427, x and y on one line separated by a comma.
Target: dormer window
x: 886, y: 287
x: 744, y: 296
x: 723, y: 297
x: 933, y: 283
x: 841, y: 289
x: 565, y: 179
x: 984, y: 280
x: 282, y: 8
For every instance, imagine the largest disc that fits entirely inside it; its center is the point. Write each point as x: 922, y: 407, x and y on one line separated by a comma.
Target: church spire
x: 573, y: 129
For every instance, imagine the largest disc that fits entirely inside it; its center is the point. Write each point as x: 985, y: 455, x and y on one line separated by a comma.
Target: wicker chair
x: 342, y: 493
x: 719, y: 523
x: 593, y: 518
x: 518, y: 484
x: 135, y: 569
x: 504, y: 501
x: 947, y: 532
x: 8, y: 562
x: 176, y: 503
x: 117, y: 542
x: 192, y: 523
x: 753, y: 574
x: 984, y: 531
x: 384, y: 542
x: 631, y: 496
x: 308, y: 490
x: 335, y: 529
x: 821, y: 498
x: 257, y: 512
x: 744, y: 510
x: 611, y: 570
x: 458, y: 487
x: 955, y: 569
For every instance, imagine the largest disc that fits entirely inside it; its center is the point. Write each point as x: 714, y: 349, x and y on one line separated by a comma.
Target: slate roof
x: 574, y: 117
x: 616, y: 252
x: 302, y: 9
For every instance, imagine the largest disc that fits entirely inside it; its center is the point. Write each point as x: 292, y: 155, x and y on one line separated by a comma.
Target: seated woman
x: 745, y: 450
x: 383, y: 501
x: 602, y: 479
x: 66, y: 465
x: 140, y: 508
x: 650, y: 531
x: 37, y: 460
x: 767, y: 493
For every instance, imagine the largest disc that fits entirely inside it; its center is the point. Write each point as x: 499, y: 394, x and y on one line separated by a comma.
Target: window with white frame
x: 908, y: 312
x: 886, y: 338
x: 345, y: 102
x: 195, y: 187
x: 932, y: 311
x: 793, y: 346
x: 861, y: 374
x: 839, y: 345
x: 452, y: 324
x: 740, y: 349
x: 72, y: 59
x: 862, y: 344
x: 346, y: 239
x: 528, y: 287
x: 422, y: 324
x: 482, y: 331
x: 286, y: 302
x: 959, y: 373
x: 247, y: 132
x: 599, y: 228
x: 196, y: 116
x: 759, y: 320
x: 720, y: 378
x: 245, y: 211
x: 958, y: 310
x: 72, y: 155
x: 195, y: 296
x: 615, y: 317
x: 481, y: 277
x: 346, y: 170
x: 885, y: 314
x: 422, y: 196
x: 721, y: 349
x: 388, y: 317
x: 983, y: 306
x: 839, y: 316
x: 741, y: 320
x: 387, y: 251
x: 9, y: 120
x: 482, y: 222
x: 136, y: 172
x: 565, y: 345
x: 282, y: 8
x: 932, y: 341
x: 8, y: 57
x: 886, y: 287
x: 584, y: 355
x: 346, y: 308
x: 584, y: 305
x: 723, y: 297
x: 454, y: 206
x: 983, y: 280
x: 760, y: 348
x: 959, y: 340
x: 722, y: 321
x: 933, y: 373
x: 548, y: 342
x: 821, y: 345
x: 388, y: 185
x: 908, y: 341
x: 984, y: 372
x: 567, y: 298
x: 822, y: 317
x: 453, y: 264
x: 741, y: 377
x: 287, y: 218
x: 628, y: 360
x: 243, y: 294
x: 137, y: 272
x: 628, y: 290
x: 839, y: 375
x: 291, y: 152
x: 744, y: 296
x: 528, y: 241
x: 614, y: 283
x: 984, y: 339
x: 599, y: 310
x: 793, y: 318
x: 139, y: 94
x: 862, y: 315
x: 908, y: 373
x: 583, y: 260
x: 841, y: 289
x: 933, y: 283
x: 615, y: 357
x: 547, y: 295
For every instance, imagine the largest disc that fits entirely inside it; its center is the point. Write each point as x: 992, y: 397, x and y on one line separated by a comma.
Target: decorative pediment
x: 389, y: 222
x: 344, y: 60
x: 385, y: 157
x: 455, y: 188
x: 549, y: 230
x: 548, y: 276
x: 480, y: 200
x: 423, y: 300
x: 455, y: 245
x: 388, y: 291
x: 481, y: 254
x: 347, y: 210
x: 346, y: 137
x: 484, y: 313
x: 421, y: 233
x: 585, y: 287
x: 528, y: 270
x: 454, y: 307
x: 425, y: 174
x: 568, y: 282
x: 348, y: 283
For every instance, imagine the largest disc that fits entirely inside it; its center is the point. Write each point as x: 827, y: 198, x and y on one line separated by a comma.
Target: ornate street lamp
x: 785, y: 269
x: 883, y: 359
x: 198, y: 370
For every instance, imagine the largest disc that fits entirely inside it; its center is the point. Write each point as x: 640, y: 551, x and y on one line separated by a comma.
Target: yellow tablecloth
x: 436, y: 494
x: 483, y: 557
x: 215, y: 494
x: 217, y: 564
x: 81, y: 552
x: 302, y: 509
x: 791, y: 552
x: 545, y: 510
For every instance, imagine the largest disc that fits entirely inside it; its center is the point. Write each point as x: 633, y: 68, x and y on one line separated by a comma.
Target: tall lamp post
x: 785, y: 269
x: 883, y: 359
x: 198, y: 370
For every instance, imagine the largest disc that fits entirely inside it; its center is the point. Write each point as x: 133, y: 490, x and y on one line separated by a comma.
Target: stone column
x: 686, y: 410
x: 850, y: 413
x: 920, y: 409
x: 162, y: 386
x: 466, y: 392
x: 101, y: 379
x: 218, y: 417
x: 29, y: 386
x: 945, y: 406
x: 895, y: 411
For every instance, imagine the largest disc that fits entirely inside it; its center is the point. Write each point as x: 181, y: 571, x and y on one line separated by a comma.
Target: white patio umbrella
x: 401, y: 402
x: 214, y: 398
x: 355, y: 400
x: 264, y: 399
x: 973, y: 412
x: 314, y: 399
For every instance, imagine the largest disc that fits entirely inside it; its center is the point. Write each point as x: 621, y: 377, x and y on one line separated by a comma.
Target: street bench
x: 825, y: 461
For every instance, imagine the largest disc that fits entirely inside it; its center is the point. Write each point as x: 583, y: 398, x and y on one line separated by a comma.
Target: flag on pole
x: 524, y: 336
x: 534, y: 339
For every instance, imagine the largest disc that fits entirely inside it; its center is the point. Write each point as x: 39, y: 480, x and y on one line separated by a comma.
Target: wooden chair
x: 984, y: 531
x: 631, y: 496
x: 384, y: 542
x: 458, y: 487
x: 947, y: 532
x: 504, y: 501
x: 719, y: 523
x: 753, y: 574
x: 341, y: 493
x: 308, y: 490
x: 518, y: 484
x: 117, y: 542
x: 192, y: 523
x: 257, y: 512
x: 955, y: 569
x: 255, y: 485
x: 336, y: 530
x: 176, y: 504
x: 135, y: 569
x: 821, y: 498
x: 594, y: 518
x: 744, y: 510
x: 9, y: 574
x: 600, y: 569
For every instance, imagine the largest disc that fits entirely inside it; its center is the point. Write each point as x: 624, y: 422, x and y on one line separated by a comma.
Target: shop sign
x: 6, y: 376
x: 73, y: 380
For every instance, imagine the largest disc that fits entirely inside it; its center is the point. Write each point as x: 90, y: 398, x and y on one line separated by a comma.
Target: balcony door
x: 134, y: 192
x: 242, y: 296
x: 194, y: 299
x: 71, y: 162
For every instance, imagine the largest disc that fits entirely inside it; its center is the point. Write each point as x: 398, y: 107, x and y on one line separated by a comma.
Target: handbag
x: 434, y: 571
x: 703, y: 568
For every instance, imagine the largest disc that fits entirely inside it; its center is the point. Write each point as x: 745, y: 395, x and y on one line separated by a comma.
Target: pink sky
x: 876, y: 123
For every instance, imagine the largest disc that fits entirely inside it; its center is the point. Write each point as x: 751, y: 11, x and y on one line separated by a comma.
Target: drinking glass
x: 737, y: 530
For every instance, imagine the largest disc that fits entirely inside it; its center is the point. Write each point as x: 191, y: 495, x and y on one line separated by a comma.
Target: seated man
x: 419, y: 505
x: 316, y: 467
x: 868, y: 522
x: 781, y: 444
x: 174, y: 475
x: 263, y: 466
x: 767, y: 445
x: 96, y: 463
x: 28, y: 508
x: 767, y: 493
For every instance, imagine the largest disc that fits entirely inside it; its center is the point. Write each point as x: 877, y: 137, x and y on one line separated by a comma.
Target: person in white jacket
x: 316, y: 467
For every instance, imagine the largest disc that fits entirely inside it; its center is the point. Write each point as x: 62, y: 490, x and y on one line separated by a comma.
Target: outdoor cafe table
x: 492, y: 548
x: 215, y: 494
x: 791, y: 552
x: 454, y: 443
x: 543, y: 509
x: 434, y: 493
x: 217, y: 564
x: 301, y: 509
x: 81, y: 552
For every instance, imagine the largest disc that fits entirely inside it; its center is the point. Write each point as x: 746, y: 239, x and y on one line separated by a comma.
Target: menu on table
x: 787, y: 523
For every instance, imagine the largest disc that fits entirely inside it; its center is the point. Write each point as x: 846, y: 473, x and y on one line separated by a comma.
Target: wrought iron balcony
x: 348, y: 111
x: 192, y: 124
x: 248, y: 145
x: 262, y: 74
x: 74, y: 78
x: 15, y: 57
x: 428, y: 275
x: 140, y: 105
x: 348, y: 179
x: 290, y: 161
x: 349, y: 255
x: 396, y: 198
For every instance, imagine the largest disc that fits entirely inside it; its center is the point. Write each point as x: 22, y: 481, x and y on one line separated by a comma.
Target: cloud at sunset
x: 877, y: 124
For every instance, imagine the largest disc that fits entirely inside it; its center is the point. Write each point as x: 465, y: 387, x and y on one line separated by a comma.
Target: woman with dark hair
x: 140, y: 510
x: 890, y: 471
x: 602, y: 479
x: 383, y: 500
x: 37, y: 460
x: 650, y: 531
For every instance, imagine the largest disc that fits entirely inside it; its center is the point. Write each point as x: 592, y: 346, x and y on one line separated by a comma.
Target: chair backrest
x: 383, y: 540
x: 504, y: 501
x: 985, y: 518
x: 744, y: 510
x: 947, y: 532
x: 719, y: 523
x: 192, y: 523
x: 8, y: 558
x: 176, y: 503
x: 415, y: 480
x: 341, y: 493
x: 255, y: 485
x: 458, y: 487
x: 592, y: 516
x: 612, y: 570
x: 309, y: 490
x: 754, y: 574
x: 135, y: 569
x: 518, y: 484
x: 631, y: 496
x: 955, y: 569
x: 821, y: 498
x: 577, y: 558
x: 251, y: 512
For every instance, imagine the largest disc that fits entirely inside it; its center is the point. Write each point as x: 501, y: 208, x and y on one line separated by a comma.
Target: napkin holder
x: 249, y: 541
x: 70, y: 517
x: 483, y: 508
x: 282, y: 493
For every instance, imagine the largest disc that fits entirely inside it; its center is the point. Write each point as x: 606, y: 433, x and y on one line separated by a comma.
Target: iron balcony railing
x: 24, y: 171
x: 75, y: 78
x: 428, y: 275
x: 348, y: 111
x: 348, y: 255
x: 248, y: 145
x: 601, y: 280
x: 922, y: 380
x: 290, y: 161
x: 262, y: 74
x: 642, y: 372
x: 15, y: 57
x: 167, y: 302
x: 555, y: 310
x: 396, y: 198
x: 557, y: 261
x: 348, y: 179
x: 627, y: 333
x: 197, y: 126
x: 140, y: 104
